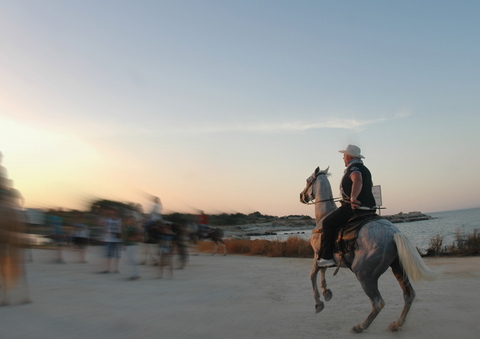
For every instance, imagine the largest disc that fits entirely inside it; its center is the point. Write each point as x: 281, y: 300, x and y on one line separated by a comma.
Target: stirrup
x: 326, y: 263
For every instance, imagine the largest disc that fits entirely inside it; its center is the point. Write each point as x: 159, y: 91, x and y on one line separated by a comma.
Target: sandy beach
x: 232, y: 297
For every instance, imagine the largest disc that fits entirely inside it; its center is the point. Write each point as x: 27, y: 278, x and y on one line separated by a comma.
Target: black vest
x: 366, y: 196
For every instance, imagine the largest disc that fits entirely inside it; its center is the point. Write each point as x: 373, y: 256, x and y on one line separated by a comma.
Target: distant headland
x: 407, y: 217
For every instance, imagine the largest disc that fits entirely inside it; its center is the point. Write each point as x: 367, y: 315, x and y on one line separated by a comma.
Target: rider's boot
x: 326, y: 262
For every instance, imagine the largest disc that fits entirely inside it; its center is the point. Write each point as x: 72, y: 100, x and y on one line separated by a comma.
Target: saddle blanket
x: 347, y: 236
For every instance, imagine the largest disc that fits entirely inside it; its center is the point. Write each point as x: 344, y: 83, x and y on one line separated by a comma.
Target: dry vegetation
x: 464, y: 245
x: 293, y: 247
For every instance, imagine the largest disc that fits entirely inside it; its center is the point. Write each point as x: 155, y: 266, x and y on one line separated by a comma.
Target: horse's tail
x: 411, y: 260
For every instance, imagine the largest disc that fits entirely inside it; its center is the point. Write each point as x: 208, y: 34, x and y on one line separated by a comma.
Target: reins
x: 339, y: 199
x: 324, y: 200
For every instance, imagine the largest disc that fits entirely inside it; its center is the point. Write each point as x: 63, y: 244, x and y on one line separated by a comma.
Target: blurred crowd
x: 142, y: 237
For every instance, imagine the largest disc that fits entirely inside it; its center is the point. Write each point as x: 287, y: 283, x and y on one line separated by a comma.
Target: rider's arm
x: 356, y: 188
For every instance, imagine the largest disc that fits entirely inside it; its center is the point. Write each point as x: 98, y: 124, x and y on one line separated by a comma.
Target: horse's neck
x: 324, y: 194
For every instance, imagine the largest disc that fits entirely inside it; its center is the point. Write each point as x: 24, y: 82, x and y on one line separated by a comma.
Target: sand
x: 232, y: 297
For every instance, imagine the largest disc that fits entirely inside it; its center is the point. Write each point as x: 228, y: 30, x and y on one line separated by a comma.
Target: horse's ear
x: 326, y: 170
x: 317, y: 170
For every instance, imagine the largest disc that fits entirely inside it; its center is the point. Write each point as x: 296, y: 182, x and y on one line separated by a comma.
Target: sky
x: 228, y: 106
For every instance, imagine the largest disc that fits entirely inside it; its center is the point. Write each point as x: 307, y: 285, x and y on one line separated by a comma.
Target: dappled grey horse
x: 379, y: 245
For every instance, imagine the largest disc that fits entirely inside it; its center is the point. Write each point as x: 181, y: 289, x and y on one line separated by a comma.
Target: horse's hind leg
x: 215, y: 247
x: 370, y: 286
x: 408, y: 294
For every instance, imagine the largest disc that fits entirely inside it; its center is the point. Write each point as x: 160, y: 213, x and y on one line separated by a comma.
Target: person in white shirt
x: 113, y: 239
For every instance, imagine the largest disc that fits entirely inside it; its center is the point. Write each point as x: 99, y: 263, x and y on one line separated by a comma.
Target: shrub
x: 435, y: 248
x: 463, y: 245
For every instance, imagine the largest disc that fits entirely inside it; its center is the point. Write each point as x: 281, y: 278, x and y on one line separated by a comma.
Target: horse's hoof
x: 327, y: 295
x: 393, y: 327
x: 357, y: 329
x: 26, y: 301
x: 319, y: 307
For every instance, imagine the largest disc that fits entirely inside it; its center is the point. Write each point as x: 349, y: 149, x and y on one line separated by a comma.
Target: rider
x: 155, y: 214
x: 356, y: 188
x: 203, y: 228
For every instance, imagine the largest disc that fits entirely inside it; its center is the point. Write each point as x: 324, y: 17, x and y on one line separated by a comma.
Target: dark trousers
x: 334, y: 222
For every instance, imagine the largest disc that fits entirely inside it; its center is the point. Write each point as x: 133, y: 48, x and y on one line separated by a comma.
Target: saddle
x: 346, y: 239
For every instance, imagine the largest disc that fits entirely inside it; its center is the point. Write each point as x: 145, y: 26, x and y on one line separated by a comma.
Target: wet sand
x: 232, y: 297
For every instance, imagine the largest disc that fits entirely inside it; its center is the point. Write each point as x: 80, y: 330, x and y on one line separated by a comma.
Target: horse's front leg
x: 224, y: 248
x: 316, y: 293
x: 327, y: 294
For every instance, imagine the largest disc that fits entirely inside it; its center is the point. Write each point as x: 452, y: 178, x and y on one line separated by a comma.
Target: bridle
x: 311, y: 180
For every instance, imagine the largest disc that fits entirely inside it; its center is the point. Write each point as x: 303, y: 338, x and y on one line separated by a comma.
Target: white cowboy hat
x: 353, y: 151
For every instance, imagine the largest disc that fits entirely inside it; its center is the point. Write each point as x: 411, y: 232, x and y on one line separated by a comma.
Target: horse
x: 215, y: 234
x: 379, y: 245
x: 12, y: 242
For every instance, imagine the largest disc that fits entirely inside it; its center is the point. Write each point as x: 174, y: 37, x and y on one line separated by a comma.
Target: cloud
x: 294, y: 126
x: 298, y: 126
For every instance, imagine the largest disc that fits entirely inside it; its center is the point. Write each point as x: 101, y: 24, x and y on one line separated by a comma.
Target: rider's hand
x: 355, y: 203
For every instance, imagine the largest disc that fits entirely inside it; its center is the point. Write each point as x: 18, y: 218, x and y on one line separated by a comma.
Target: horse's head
x: 308, y: 193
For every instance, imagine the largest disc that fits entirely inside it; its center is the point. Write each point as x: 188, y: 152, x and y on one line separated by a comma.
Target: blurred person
x: 81, y: 236
x: 17, y: 200
x: 132, y: 235
x: 203, y: 218
x: 154, y: 217
x: 12, y: 242
x: 155, y: 212
x: 203, y: 227
x: 181, y: 243
x: 113, y: 239
x: 55, y: 222
x: 166, y: 249
x: 3, y: 176
x: 148, y: 250
x: 15, y: 194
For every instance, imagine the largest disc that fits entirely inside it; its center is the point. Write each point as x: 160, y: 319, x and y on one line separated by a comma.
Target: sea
x: 445, y: 224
